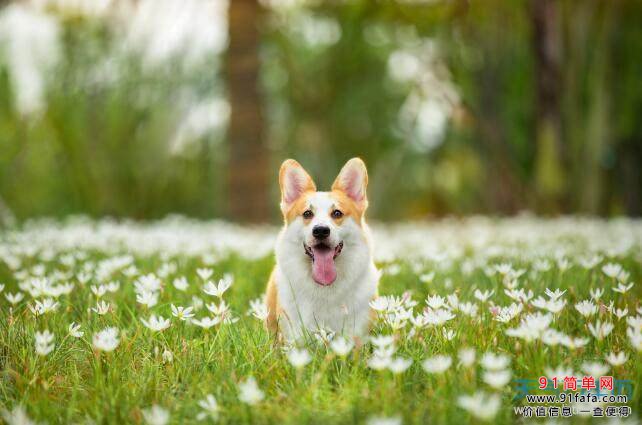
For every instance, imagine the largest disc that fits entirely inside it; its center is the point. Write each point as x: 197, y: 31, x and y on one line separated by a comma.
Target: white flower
x: 506, y: 314
x: 258, y: 309
x: 597, y: 293
x: 435, y: 302
x: 147, y: 298
x: 379, y: 304
x: 379, y: 362
x: 438, y: 317
x: 595, y: 369
x: 147, y: 283
x: 635, y: 336
x: 44, y: 342
x: 44, y: 306
x: 156, y: 415
x: 156, y: 323
x: 620, y: 312
x: 481, y: 405
x: 559, y: 372
x: 427, y: 277
x: 497, y: 379
x: 17, y: 416
x: 491, y: 361
x: 218, y: 310
x: 168, y: 356
x: 14, y: 298
x: 106, y: 340
x: 217, y: 290
x: 180, y: 283
x: 101, y: 308
x: 182, y: 313
x: 483, y: 296
x: 380, y: 420
x: 299, y: 357
x: 249, y: 392
x: 622, y: 288
x: 341, y: 346
x: 600, y: 330
x: 531, y: 326
x: 437, y: 364
x: 469, y: 309
x: 399, y: 365
x: 207, y: 322
x: 210, y: 408
x: 617, y: 359
x: 611, y: 269
x: 382, y: 340
x: 99, y: 290
x: 586, y: 308
x: 554, y: 295
x: 74, y: 330
x: 466, y: 357
x: 635, y: 321
x: 573, y: 343
x: 204, y: 273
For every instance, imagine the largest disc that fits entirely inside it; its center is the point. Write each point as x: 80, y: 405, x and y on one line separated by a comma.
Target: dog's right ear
x: 294, y: 182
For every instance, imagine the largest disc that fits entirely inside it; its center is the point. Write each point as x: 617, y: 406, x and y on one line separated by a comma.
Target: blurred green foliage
x: 335, y: 85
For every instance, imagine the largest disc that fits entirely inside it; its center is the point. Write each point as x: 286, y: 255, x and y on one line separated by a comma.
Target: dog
x: 325, y: 276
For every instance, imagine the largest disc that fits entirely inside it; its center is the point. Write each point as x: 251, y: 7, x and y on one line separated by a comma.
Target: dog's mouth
x: 324, y: 270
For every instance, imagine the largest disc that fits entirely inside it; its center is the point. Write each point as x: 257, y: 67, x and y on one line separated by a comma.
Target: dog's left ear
x: 353, y: 180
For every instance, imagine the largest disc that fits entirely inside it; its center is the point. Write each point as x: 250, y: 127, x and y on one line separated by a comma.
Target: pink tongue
x: 323, y: 269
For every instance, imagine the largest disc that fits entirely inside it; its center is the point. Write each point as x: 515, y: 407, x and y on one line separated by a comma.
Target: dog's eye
x: 337, y: 214
x: 308, y: 214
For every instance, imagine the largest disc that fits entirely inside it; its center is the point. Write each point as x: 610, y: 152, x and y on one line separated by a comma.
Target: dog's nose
x: 320, y: 232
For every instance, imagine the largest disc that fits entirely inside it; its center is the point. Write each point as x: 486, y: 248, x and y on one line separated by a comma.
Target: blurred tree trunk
x: 550, y: 179
x: 248, y: 156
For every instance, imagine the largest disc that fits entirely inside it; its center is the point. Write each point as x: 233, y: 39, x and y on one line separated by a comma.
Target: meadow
x: 161, y: 322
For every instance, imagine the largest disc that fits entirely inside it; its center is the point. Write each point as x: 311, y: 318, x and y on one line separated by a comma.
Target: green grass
x: 74, y: 383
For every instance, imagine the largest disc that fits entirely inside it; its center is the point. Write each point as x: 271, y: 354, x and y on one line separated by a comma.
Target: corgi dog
x: 325, y: 276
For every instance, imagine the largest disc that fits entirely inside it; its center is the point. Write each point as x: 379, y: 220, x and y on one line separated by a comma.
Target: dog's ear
x: 294, y: 182
x: 353, y: 180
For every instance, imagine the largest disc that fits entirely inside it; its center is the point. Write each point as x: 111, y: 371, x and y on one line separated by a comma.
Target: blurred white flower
x: 600, y: 330
x: 249, y: 392
x: 481, y: 405
x: 617, y: 359
x: 382, y: 340
x: 156, y: 415
x: 497, y: 379
x: 554, y: 295
x: 106, y: 340
x: 217, y: 290
x: 147, y: 298
x: 399, y: 365
x: 17, y: 416
x: 210, y: 408
x: 44, y: 342
x: 595, y: 369
x: 492, y: 361
x: 180, y: 283
x: 379, y: 362
x: 586, y: 308
x: 204, y: 273
x: 156, y: 323
x: 622, y: 288
x: 596, y: 293
x: 74, y: 330
x: 466, y: 357
x: 435, y: 302
x: 14, y: 298
x: 101, y: 308
x: 31, y: 40
x: 207, y: 322
x: 341, y: 346
x: 299, y: 357
x: 483, y: 296
x: 437, y: 364
x: 381, y: 420
x: 182, y: 313
x: 98, y: 290
x: 258, y: 309
x: 167, y: 356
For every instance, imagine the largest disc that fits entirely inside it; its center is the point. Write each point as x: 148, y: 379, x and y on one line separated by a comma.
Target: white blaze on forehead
x: 321, y: 203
